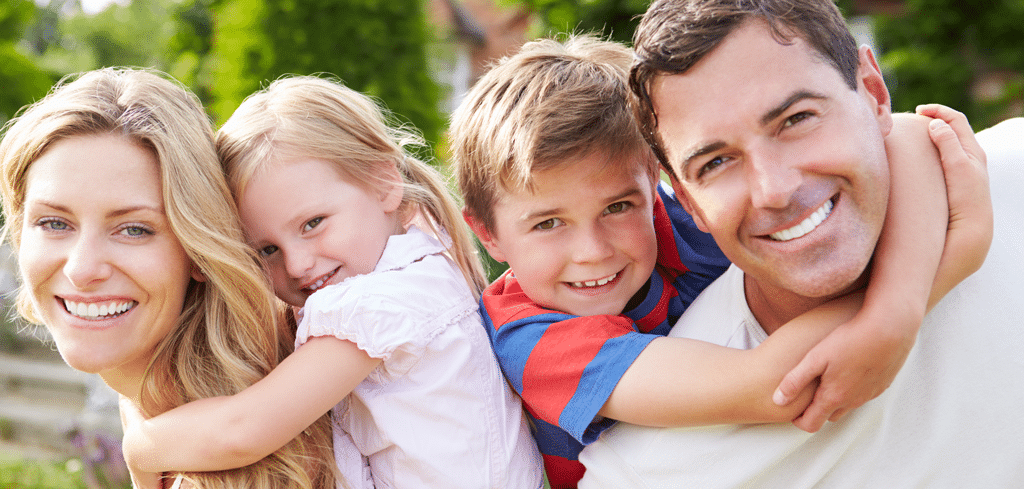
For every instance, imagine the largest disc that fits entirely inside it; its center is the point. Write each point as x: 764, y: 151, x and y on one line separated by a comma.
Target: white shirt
x: 436, y: 412
x: 953, y: 417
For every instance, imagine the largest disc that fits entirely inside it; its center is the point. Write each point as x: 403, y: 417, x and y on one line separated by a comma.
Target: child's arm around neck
x: 234, y: 431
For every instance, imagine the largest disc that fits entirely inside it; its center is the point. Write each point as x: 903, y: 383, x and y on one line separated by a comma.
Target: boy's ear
x: 486, y: 238
x: 677, y: 188
x: 877, y: 94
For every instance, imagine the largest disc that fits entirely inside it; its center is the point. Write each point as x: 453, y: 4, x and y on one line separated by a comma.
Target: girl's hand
x: 131, y: 421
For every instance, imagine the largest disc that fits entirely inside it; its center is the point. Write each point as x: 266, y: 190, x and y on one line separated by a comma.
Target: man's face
x: 582, y: 241
x: 780, y: 161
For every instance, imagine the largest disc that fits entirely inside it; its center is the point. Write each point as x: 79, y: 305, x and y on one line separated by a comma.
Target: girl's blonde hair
x: 309, y: 117
x: 230, y: 333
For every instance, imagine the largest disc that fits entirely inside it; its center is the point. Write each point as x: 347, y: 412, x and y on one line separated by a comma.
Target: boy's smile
x: 582, y: 239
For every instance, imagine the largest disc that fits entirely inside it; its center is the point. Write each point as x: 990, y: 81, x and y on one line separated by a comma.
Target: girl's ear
x: 393, y: 188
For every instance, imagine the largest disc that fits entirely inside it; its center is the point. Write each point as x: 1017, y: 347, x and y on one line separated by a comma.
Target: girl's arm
x: 860, y: 359
x: 233, y: 431
x: 715, y: 384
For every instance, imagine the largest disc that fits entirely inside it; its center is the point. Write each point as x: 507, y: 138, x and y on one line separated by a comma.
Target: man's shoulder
x: 1004, y: 142
x: 720, y: 315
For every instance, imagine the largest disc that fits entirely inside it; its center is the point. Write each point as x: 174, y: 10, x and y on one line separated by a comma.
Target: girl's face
x: 313, y: 228
x: 105, y: 273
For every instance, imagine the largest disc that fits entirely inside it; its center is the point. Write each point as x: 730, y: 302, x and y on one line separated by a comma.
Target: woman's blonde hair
x: 230, y: 333
x: 309, y: 117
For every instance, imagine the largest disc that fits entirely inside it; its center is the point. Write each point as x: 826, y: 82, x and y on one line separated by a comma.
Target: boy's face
x: 583, y: 240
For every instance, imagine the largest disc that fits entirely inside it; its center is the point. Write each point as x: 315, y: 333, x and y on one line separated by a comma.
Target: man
x: 762, y: 122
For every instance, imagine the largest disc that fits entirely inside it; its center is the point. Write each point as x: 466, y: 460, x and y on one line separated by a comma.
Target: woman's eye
x: 267, y: 250
x: 549, y: 224
x: 53, y: 225
x: 617, y: 207
x: 135, y: 231
x: 312, y: 223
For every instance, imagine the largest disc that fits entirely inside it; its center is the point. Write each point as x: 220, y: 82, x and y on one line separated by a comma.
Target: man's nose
x: 772, y: 178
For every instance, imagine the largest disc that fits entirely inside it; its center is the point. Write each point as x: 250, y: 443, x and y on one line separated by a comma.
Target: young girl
x: 368, y: 242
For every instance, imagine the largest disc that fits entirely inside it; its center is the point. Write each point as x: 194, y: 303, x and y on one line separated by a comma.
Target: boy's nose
x: 591, y: 245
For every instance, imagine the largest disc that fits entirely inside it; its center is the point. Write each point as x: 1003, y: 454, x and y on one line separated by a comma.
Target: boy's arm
x: 233, y: 431
x: 861, y: 358
x: 713, y: 384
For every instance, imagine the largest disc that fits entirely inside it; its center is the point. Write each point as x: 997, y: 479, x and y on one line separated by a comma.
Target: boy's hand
x: 856, y: 362
x: 860, y: 359
x: 131, y: 421
x: 970, y: 204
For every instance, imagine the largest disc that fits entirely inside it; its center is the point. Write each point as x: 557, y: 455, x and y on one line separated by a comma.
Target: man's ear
x: 870, y: 76
x: 681, y: 196
x: 486, y: 238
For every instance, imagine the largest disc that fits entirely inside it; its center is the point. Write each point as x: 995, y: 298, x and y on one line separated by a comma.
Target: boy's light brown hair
x: 550, y: 104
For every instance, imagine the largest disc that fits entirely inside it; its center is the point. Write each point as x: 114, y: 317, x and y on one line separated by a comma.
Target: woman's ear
x: 196, y: 273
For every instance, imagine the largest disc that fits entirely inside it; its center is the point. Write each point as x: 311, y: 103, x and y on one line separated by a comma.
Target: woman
x: 131, y: 255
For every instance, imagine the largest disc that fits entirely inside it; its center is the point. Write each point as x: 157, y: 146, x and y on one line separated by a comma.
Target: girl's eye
x: 312, y: 223
x: 267, y: 250
x: 549, y: 224
x: 617, y: 207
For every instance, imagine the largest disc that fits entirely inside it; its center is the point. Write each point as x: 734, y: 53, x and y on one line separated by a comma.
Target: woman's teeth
x: 806, y: 226
x: 595, y: 283
x: 96, y: 311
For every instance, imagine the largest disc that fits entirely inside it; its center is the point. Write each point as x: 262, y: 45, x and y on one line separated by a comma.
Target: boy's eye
x: 312, y: 223
x: 267, y: 250
x: 549, y: 224
x: 617, y: 207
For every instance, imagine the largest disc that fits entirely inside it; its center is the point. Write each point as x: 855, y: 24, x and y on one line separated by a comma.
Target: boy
x: 559, y: 183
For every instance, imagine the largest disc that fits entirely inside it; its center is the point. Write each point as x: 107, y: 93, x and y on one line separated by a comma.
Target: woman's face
x: 105, y: 273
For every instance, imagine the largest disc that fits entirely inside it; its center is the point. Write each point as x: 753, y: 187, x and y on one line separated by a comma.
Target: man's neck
x: 773, y: 307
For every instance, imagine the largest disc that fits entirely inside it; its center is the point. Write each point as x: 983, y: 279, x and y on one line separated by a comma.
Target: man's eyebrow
x: 766, y: 119
x: 697, y: 153
x: 779, y: 109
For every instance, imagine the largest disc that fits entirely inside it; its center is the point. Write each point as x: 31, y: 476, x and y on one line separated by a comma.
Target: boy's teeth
x: 595, y: 283
x: 95, y: 311
x: 806, y: 226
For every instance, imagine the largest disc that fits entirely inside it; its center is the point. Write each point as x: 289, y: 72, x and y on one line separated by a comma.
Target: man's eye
x: 796, y: 118
x: 312, y: 223
x: 617, y: 207
x: 267, y: 250
x: 549, y: 224
x: 710, y: 165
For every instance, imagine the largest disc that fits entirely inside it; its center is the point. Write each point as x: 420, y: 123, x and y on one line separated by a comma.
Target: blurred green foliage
x: 377, y: 47
x: 22, y: 81
x: 947, y: 51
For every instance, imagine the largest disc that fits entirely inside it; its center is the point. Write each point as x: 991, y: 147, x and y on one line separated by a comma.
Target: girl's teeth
x: 806, y: 226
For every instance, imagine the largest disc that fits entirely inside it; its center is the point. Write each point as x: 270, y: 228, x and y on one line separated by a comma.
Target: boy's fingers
x: 960, y: 126
x: 797, y: 380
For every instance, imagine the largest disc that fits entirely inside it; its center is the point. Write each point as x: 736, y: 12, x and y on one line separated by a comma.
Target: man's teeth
x: 595, y: 283
x: 94, y: 310
x: 806, y: 226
